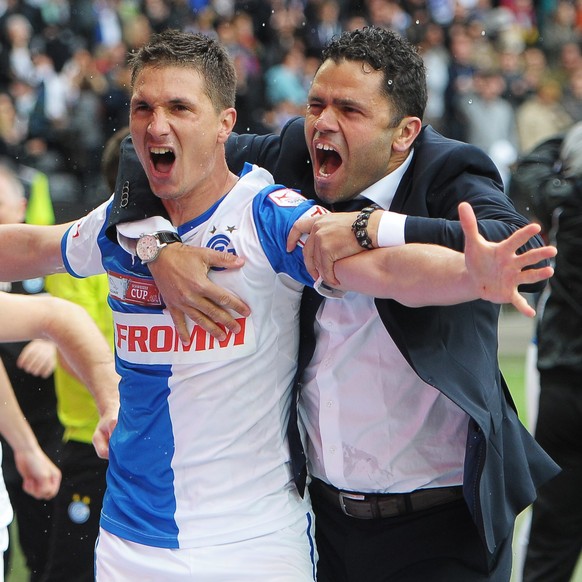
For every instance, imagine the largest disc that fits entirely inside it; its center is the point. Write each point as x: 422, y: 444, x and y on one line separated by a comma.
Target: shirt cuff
x: 391, y: 229
x: 129, y: 232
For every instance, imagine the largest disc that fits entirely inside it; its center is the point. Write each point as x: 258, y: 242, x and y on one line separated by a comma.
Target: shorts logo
x: 79, y: 510
x: 221, y: 242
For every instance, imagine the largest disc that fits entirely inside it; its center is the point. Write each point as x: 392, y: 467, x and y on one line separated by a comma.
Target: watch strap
x: 167, y: 236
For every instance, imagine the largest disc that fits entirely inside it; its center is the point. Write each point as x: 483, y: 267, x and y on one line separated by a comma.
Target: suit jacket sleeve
x: 443, y: 173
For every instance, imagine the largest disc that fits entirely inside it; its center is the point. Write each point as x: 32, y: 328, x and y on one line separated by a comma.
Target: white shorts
x: 287, y: 555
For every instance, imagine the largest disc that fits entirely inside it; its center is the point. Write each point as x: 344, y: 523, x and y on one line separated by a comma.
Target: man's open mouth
x: 162, y: 159
x: 328, y: 160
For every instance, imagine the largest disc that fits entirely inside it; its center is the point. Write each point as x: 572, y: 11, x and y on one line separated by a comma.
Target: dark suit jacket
x: 451, y: 348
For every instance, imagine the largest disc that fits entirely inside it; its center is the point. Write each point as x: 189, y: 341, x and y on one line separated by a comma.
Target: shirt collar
x: 382, y: 192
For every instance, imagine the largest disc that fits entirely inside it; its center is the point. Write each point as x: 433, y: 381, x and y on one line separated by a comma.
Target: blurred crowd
x: 503, y: 75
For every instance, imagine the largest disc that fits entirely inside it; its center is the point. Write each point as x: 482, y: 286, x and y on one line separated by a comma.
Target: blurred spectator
x: 322, y: 25
x: 12, y: 127
x: 23, y: 8
x: 107, y: 25
x: 86, y: 87
x: 572, y: 97
x: 525, y: 17
x: 17, y: 55
x: 491, y: 120
x: 541, y: 116
x: 136, y: 32
x: 388, y: 14
x: 284, y: 87
x: 248, y: 53
x: 460, y: 85
x: 112, y: 61
x: 535, y: 68
x: 162, y: 14
x: 284, y: 27
x: 559, y: 29
x: 436, y: 59
x: 511, y: 66
x: 570, y: 60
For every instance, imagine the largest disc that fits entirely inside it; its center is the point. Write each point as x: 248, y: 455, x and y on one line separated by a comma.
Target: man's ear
x: 227, y: 121
x: 405, y: 134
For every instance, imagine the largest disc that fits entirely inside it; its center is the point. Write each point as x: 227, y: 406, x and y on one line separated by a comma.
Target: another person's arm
x: 80, y: 343
x: 415, y: 274
x: 40, y: 477
x: 28, y: 251
x: 418, y: 275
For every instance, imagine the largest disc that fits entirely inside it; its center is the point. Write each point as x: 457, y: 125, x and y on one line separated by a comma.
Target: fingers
x: 213, y: 313
x: 522, y: 236
x: 101, y: 444
x: 468, y: 220
x: 530, y: 276
x: 521, y: 304
x: 38, y: 358
x: 223, y: 259
x: 102, y: 435
x: 308, y: 258
x: 210, y: 322
x: 181, y: 273
x: 327, y: 273
x: 43, y: 487
x: 294, y: 236
x: 534, y: 256
x: 179, y: 320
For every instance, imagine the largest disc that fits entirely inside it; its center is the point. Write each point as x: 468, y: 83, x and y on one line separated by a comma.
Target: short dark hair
x: 197, y: 51
x: 399, y: 60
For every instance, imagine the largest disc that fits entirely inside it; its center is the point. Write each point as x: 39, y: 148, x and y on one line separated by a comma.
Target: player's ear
x: 405, y: 133
x: 227, y: 121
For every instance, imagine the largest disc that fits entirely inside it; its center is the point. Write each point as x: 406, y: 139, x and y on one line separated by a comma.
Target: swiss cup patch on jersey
x: 286, y: 198
x: 133, y: 290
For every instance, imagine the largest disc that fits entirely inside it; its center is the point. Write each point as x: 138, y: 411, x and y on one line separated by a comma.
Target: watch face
x: 147, y: 248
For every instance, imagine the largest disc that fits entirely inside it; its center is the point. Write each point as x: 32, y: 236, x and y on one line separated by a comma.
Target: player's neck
x: 193, y: 204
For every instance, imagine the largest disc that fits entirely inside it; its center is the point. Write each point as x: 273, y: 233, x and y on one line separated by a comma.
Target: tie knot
x: 351, y: 205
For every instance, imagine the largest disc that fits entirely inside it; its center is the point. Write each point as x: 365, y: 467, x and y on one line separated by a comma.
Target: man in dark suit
x: 418, y: 462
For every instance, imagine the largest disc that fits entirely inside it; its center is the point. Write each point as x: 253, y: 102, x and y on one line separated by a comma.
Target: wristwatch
x: 148, y: 246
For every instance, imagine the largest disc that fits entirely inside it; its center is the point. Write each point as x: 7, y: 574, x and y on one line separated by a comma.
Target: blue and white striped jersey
x: 199, y: 455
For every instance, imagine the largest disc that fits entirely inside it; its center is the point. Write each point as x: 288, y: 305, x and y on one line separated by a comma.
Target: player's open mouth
x: 328, y: 160
x: 162, y: 158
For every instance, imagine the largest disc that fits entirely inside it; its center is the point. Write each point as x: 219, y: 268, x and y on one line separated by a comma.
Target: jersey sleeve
x: 275, y: 211
x: 80, y: 246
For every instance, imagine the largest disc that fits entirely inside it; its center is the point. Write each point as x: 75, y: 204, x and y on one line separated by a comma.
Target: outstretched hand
x: 181, y: 274
x: 496, y: 269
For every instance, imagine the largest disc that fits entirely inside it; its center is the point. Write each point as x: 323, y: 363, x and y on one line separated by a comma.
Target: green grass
x: 18, y: 571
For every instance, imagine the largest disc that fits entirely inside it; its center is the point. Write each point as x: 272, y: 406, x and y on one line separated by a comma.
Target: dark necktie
x: 351, y: 205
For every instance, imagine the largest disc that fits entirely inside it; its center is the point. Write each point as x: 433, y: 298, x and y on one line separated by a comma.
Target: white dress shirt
x: 372, y: 424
